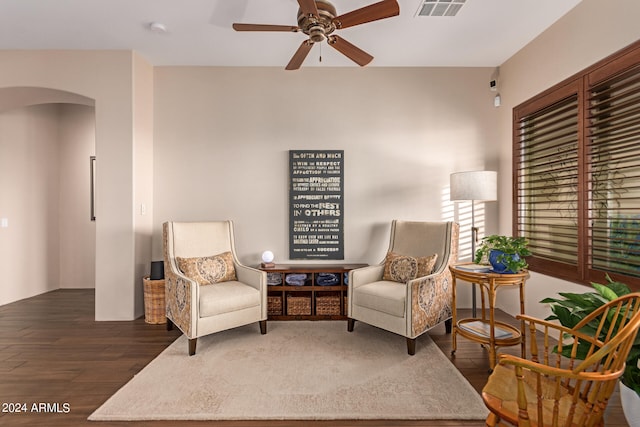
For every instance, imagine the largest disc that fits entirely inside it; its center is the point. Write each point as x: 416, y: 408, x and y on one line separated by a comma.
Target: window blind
x: 547, y: 175
x: 613, y: 162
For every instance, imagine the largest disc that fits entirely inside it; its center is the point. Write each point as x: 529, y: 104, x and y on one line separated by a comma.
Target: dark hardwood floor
x: 53, y: 352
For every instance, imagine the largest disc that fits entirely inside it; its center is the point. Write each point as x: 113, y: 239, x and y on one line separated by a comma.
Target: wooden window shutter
x: 613, y: 164
x: 546, y: 169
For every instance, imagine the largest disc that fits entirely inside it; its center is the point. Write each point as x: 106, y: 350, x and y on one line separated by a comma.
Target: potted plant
x: 572, y: 308
x: 504, y: 253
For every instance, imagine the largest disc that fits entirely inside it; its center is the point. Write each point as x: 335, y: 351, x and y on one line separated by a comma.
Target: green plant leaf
x: 605, y: 291
x: 571, y: 308
x: 565, y: 317
x: 619, y: 288
x: 631, y: 378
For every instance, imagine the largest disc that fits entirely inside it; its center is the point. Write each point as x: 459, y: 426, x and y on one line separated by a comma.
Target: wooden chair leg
x: 169, y: 325
x: 447, y: 325
x: 263, y: 327
x: 492, y: 420
x: 411, y: 346
x: 350, y: 324
x: 192, y: 346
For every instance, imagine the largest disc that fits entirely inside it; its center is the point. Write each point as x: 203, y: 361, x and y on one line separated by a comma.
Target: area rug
x: 299, y: 370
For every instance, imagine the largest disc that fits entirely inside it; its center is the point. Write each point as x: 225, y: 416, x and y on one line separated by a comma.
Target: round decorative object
x: 267, y: 256
x: 630, y: 405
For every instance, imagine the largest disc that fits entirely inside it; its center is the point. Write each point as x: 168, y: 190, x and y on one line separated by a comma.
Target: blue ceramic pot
x: 498, y: 266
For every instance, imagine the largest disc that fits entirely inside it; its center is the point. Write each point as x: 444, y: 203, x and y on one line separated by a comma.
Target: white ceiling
x: 484, y: 33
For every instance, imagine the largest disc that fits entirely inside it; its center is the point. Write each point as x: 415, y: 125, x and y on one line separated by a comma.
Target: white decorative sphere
x: 267, y: 256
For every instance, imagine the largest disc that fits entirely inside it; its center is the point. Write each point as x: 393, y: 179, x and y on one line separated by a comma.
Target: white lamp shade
x: 474, y: 185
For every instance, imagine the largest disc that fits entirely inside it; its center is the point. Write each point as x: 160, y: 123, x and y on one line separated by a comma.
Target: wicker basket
x: 155, y: 309
x: 346, y: 306
x: 298, y: 305
x: 274, y: 305
x: 328, y: 305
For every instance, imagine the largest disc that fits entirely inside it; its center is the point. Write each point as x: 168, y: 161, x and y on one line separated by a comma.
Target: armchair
x: 384, y: 299
x: 554, y: 387
x: 212, y: 291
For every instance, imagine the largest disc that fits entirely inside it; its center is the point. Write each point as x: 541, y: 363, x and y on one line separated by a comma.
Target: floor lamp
x: 473, y: 186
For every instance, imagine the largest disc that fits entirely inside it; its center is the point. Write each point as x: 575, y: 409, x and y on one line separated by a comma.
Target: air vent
x: 440, y: 7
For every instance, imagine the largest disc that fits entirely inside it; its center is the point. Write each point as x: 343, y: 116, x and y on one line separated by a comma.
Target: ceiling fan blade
x: 352, y: 52
x: 264, y: 27
x: 300, y: 55
x: 381, y: 10
x: 308, y: 7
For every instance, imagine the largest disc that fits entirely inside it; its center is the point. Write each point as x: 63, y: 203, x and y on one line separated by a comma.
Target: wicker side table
x: 484, y: 329
x: 155, y: 308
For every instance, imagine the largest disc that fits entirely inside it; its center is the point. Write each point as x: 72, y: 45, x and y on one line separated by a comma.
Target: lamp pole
x: 473, y: 186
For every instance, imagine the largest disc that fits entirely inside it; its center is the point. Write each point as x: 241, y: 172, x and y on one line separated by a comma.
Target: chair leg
x: 447, y: 325
x: 492, y: 420
x: 350, y: 324
x: 263, y: 327
x: 169, y: 325
x: 192, y: 346
x: 411, y: 346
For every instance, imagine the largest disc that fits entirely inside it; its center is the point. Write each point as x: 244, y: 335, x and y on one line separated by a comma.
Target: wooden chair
x: 552, y: 389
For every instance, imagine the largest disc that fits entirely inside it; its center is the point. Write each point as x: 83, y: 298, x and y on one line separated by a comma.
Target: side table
x: 485, y: 329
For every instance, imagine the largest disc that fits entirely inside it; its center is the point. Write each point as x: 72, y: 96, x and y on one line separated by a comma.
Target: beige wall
x: 579, y: 39
x: 29, y: 171
x: 222, y: 137
x: 143, y: 174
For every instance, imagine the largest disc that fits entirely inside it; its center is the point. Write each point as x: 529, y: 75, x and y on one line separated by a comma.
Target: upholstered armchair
x: 207, y: 290
x: 409, y: 292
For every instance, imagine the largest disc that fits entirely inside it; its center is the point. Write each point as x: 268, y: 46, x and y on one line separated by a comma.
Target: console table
x: 485, y: 329
x: 317, y: 296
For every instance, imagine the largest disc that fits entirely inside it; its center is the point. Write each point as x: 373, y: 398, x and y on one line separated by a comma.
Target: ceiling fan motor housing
x: 318, y: 27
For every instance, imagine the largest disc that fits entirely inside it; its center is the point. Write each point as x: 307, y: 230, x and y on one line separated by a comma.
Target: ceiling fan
x: 318, y: 19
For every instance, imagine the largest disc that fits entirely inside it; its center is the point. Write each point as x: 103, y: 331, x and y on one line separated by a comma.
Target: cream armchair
x: 207, y: 290
x: 379, y: 295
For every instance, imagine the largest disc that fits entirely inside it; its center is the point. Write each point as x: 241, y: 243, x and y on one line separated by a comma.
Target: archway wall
x: 107, y: 77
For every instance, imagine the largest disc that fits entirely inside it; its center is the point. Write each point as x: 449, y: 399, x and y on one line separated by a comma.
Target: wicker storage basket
x: 274, y: 305
x: 298, y: 305
x: 155, y: 309
x: 346, y: 306
x: 328, y: 305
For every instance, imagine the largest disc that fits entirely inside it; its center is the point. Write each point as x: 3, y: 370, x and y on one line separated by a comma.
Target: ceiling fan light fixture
x: 318, y: 20
x: 316, y: 33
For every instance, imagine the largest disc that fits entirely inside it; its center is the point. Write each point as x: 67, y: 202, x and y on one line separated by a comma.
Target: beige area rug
x: 298, y: 370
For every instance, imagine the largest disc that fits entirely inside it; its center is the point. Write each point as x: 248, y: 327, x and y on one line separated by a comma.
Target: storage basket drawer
x: 328, y: 305
x: 274, y: 305
x: 298, y: 305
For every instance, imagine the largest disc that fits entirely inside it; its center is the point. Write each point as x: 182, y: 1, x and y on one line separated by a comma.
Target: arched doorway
x: 46, y: 138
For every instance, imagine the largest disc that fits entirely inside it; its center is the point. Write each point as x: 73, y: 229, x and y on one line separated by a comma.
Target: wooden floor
x: 53, y: 352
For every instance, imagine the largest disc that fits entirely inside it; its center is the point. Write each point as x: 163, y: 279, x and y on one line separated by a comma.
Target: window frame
x: 579, y: 85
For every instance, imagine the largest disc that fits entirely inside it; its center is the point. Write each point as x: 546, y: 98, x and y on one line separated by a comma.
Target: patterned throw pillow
x: 402, y: 268
x: 208, y: 270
